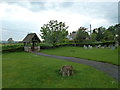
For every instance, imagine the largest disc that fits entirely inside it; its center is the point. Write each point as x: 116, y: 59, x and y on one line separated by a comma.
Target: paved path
x: 109, y: 69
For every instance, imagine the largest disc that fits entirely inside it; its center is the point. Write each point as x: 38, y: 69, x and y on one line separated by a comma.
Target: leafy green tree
x: 112, y: 29
x: 100, y: 33
x: 94, y: 31
x: 115, y: 30
x: 54, y: 32
x: 82, y: 35
x: 93, y: 37
x: 108, y: 36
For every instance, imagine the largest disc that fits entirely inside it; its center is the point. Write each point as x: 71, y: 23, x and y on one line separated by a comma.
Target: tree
x: 115, y: 30
x: 112, y: 29
x: 54, y: 32
x: 82, y: 35
x: 117, y: 33
x: 100, y: 33
x: 93, y: 37
x: 108, y: 36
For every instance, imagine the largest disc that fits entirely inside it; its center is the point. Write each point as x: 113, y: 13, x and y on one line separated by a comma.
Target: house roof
x: 30, y: 36
x: 73, y: 35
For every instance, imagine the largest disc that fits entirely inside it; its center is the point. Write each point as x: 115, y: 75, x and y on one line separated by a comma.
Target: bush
x: 13, y: 50
x: 11, y: 46
x: 46, y: 45
x: 107, y: 43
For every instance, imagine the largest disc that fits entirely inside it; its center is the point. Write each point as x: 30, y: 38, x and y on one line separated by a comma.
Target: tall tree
x: 100, y: 33
x: 93, y: 37
x: 108, y: 36
x: 82, y: 34
x: 117, y: 33
x: 54, y: 32
x: 115, y: 30
x: 112, y: 29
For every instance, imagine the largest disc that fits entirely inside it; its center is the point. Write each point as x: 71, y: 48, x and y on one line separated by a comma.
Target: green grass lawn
x: 26, y: 70
x: 98, y: 54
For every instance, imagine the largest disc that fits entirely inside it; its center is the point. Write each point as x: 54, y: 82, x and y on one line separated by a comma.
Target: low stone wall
x: 29, y: 49
x: 37, y: 48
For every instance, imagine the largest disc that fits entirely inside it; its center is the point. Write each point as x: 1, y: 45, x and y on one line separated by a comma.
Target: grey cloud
x: 67, y: 4
x: 40, y: 6
x: 107, y: 10
x: 37, y: 6
x: 33, y: 6
x: 57, y: 6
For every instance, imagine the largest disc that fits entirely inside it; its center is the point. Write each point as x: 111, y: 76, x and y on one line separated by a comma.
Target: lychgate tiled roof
x: 30, y: 37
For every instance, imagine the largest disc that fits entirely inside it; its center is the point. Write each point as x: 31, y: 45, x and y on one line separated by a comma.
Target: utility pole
x: 90, y: 29
x: 119, y: 12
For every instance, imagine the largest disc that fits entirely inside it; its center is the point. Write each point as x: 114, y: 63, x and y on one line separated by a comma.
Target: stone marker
x: 113, y: 47
x: 85, y: 46
x: 89, y: 46
x: 66, y: 70
x: 99, y: 46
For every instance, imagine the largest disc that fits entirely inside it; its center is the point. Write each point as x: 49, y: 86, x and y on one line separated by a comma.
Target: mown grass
x: 25, y: 70
x: 98, y: 54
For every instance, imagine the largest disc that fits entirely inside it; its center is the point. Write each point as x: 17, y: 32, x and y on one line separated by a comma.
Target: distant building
x: 72, y: 35
x: 31, y: 42
x: 10, y: 40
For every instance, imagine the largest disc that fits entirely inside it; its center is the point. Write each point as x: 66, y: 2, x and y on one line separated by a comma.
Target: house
x: 83, y: 30
x: 31, y: 42
x: 72, y: 35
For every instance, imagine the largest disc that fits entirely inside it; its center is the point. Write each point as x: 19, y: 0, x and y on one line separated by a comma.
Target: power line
x: 12, y: 30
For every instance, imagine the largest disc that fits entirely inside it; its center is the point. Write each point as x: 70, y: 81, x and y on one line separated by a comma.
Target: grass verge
x: 98, y: 54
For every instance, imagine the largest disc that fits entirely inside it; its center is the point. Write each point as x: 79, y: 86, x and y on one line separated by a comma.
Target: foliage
x: 45, y: 44
x: 93, y: 37
x: 11, y: 46
x: 108, y: 36
x: 103, y: 34
x: 117, y: 32
x: 27, y: 70
x: 54, y: 32
x: 81, y: 34
x: 100, y: 33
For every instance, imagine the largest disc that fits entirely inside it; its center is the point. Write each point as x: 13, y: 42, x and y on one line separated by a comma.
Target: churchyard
x: 35, y: 63
x: 102, y: 54
x: 23, y: 70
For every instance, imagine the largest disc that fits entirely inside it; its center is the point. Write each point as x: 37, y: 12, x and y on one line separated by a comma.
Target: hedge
x: 13, y: 48
x: 86, y: 43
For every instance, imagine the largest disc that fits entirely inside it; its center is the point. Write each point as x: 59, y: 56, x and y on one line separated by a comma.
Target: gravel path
x: 109, y: 69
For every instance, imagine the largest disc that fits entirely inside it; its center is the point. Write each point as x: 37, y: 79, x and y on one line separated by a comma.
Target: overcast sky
x: 17, y: 19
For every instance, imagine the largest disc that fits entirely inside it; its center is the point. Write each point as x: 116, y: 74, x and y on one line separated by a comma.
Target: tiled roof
x: 30, y: 36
